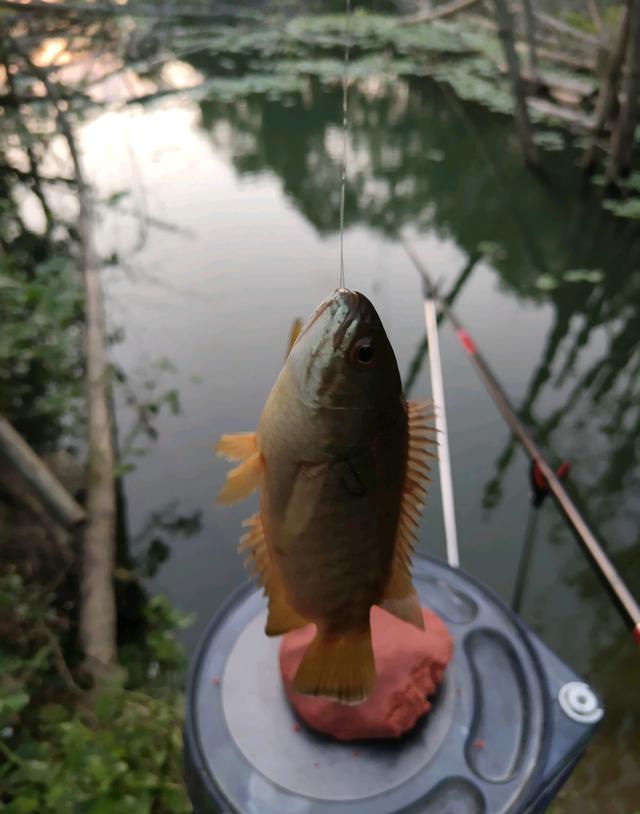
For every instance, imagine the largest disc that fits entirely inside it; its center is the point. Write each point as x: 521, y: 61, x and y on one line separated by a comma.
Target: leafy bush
x: 67, y: 750
x: 40, y: 344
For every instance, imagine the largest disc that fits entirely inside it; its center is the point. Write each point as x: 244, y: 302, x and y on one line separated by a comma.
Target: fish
x: 341, y: 462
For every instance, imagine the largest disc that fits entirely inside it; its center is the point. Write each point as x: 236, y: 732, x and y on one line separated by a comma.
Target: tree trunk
x: 530, y: 33
x: 608, y: 95
x: 98, y: 608
x: 97, y: 621
x: 523, y: 123
x: 621, y: 157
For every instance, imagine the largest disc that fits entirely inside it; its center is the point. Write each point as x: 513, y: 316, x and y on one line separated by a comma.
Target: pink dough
x: 410, y: 664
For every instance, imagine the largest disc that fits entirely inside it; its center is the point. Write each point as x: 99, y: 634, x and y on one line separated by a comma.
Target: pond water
x: 250, y: 187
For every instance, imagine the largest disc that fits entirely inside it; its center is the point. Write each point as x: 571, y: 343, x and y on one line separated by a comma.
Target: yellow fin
x: 242, y: 480
x: 340, y: 667
x: 282, y: 617
x: 296, y: 327
x: 406, y: 608
x: 399, y: 596
x: 236, y: 447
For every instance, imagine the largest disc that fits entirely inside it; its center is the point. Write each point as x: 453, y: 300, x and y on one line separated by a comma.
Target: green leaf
x: 13, y: 703
x: 546, y: 282
x: 549, y: 140
x: 25, y: 804
x: 583, y: 276
x: 629, y: 208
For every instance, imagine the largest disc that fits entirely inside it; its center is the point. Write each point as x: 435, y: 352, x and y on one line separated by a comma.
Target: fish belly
x: 333, y: 544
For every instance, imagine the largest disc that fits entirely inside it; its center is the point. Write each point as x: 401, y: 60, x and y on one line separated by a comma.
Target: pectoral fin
x: 400, y: 597
x: 245, y: 477
x: 236, y: 447
x: 282, y: 617
x: 306, y: 492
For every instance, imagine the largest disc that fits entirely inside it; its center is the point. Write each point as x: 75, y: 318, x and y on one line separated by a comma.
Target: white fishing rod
x: 444, y: 456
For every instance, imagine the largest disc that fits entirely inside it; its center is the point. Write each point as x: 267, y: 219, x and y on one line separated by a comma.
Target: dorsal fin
x: 400, y: 597
x: 282, y: 617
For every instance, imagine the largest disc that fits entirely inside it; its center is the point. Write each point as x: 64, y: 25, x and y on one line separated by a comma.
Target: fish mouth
x: 348, y: 302
x: 319, y: 352
x: 342, y: 301
x: 358, y: 312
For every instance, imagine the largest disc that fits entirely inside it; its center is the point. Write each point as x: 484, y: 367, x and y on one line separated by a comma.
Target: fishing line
x: 345, y: 133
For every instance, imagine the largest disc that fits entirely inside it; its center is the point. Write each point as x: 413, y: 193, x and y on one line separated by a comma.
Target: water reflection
x: 418, y: 161
x: 417, y: 158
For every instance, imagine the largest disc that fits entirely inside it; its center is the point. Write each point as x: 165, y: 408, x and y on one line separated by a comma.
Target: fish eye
x: 362, y: 352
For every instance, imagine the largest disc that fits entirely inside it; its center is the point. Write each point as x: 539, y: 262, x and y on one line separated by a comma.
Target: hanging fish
x: 340, y: 459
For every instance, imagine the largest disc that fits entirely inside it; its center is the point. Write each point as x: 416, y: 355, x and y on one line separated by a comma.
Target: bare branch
x: 446, y: 10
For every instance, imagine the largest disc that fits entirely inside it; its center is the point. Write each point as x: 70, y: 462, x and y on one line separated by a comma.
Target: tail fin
x: 340, y: 667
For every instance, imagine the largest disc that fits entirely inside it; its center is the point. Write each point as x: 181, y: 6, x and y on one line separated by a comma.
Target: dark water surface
x: 253, y: 186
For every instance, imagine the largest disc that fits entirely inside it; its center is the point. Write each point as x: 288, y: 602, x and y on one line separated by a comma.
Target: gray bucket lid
x: 496, y: 734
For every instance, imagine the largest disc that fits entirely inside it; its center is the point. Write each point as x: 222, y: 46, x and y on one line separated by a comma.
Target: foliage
x: 548, y: 282
x: 150, y: 548
x: 627, y: 208
x: 40, y: 343
x: 144, y: 400
x: 549, y: 140
x: 68, y: 750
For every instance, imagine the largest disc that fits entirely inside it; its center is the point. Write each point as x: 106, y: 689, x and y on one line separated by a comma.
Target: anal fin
x: 281, y: 617
x: 407, y: 608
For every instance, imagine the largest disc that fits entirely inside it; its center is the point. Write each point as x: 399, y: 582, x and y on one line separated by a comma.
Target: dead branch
x: 27, y: 177
x: 564, y: 28
x: 564, y: 58
x: 43, y: 482
x: 530, y: 32
x: 608, y: 95
x: 33, y: 164
x: 573, y: 119
x: 621, y: 156
x: 596, y: 15
x: 446, y: 10
x: 523, y: 123
x: 582, y: 63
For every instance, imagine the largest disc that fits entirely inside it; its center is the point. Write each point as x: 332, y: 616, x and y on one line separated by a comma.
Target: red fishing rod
x: 605, y: 569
